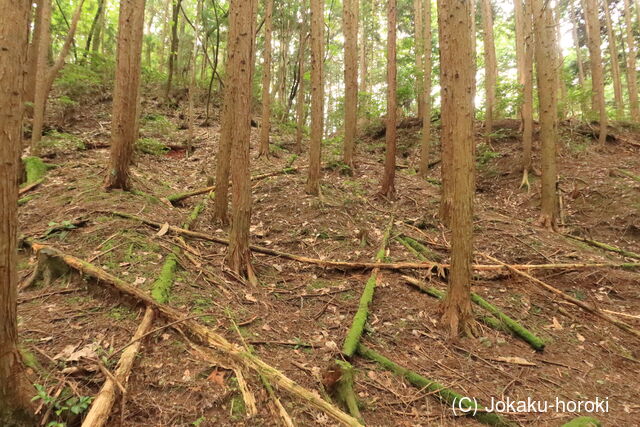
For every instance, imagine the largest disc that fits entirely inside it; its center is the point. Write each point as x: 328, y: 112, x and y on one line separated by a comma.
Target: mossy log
x: 35, y: 169
x: 583, y: 422
x: 593, y: 310
x: 443, y: 393
x: 519, y: 330
x: 605, y: 246
x: 161, y: 288
x: 345, y: 389
x: 200, y: 334
x: 436, y: 268
x: 360, y: 318
x: 178, y: 197
x: 98, y: 413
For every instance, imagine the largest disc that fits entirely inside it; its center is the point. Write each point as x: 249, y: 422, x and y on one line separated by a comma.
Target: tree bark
x: 527, y: 92
x: 46, y: 75
x: 265, y: 124
x: 300, y: 114
x: 574, y: 32
x: 562, y: 87
x: 491, y: 67
x: 350, y: 12
x: 173, y: 52
x: 547, y: 100
x: 15, y: 391
x: 632, y: 85
x: 32, y: 54
x: 93, y: 30
x: 126, y: 100
x: 192, y: 80
x: 595, y: 58
x: 388, y: 180
x: 458, y: 82
x: 418, y: 31
x: 615, y: 64
x: 317, y: 96
x: 242, y: 23
x: 425, y: 137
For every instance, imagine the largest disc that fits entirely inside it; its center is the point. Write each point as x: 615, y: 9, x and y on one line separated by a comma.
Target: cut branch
x: 101, y: 407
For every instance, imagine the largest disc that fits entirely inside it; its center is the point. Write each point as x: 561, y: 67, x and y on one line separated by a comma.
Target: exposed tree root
x: 447, y: 396
x: 201, y: 334
x: 605, y: 246
x: 100, y: 409
x: 593, y: 310
x: 504, y: 320
x: 178, y: 197
x: 435, y: 268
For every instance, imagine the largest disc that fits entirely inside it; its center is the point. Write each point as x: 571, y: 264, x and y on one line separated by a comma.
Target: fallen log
x: 199, y: 333
x: 605, y: 246
x: 453, y: 399
x: 175, y: 198
x: 515, y: 327
x: 593, y: 310
x: 435, y: 268
x: 101, y: 407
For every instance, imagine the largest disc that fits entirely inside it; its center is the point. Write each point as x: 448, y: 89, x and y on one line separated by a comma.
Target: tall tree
x: 125, y: 109
x: 32, y: 53
x: 457, y: 78
x: 615, y: 65
x: 350, y: 24
x: 490, y: 66
x: 173, y: 52
x: 597, y: 79
x: 265, y: 124
x: 14, y: 387
x: 242, y: 24
x: 632, y: 84
x: 300, y: 111
x: 418, y: 31
x: 388, y: 179
x: 192, y: 77
x: 45, y: 75
x: 527, y: 91
x: 317, y: 96
x: 576, y: 41
x: 562, y: 87
x: 547, y: 101
x: 425, y: 137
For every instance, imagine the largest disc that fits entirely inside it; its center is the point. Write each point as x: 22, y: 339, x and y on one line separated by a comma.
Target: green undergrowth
x: 151, y: 146
x: 35, y: 169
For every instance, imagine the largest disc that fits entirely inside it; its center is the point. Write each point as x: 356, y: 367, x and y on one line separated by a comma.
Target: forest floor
x: 297, y: 318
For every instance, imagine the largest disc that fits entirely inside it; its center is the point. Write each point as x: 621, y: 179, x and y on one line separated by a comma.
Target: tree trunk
x: 388, y: 180
x: 32, y: 54
x: 632, y: 85
x: 192, y: 80
x: 595, y: 58
x: 173, y: 52
x: 363, y: 87
x: 242, y: 23
x: 562, y: 87
x: 265, y: 124
x: 574, y: 32
x: 527, y: 92
x: 458, y: 82
x: 547, y: 100
x: 46, y: 75
x: 126, y: 101
x: 418, y: 17
x: 317, y: 96
x: 300, y: 115
x: 491, y: 68
x: 615, y: 64
x: 15, y: 392
x: 350, y: 12
x: 93, y: 30
x: 425, y: 137
x: 98, y: 33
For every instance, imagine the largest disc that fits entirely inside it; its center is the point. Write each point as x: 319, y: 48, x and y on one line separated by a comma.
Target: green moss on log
x: 161, y: 288
x: 606, y: 247
x: 345, y: 389
x: 583, y: 422
x: 35, y: 169
x: 501, y: 320
x: 443, y: 393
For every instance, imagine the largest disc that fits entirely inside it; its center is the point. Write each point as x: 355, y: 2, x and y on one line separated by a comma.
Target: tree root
x: 593, y: 310
x: 201, y: 334
x: 447, y: 396
x: 436, y: 268
x: 101, y: 407
x: 503, y: 320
